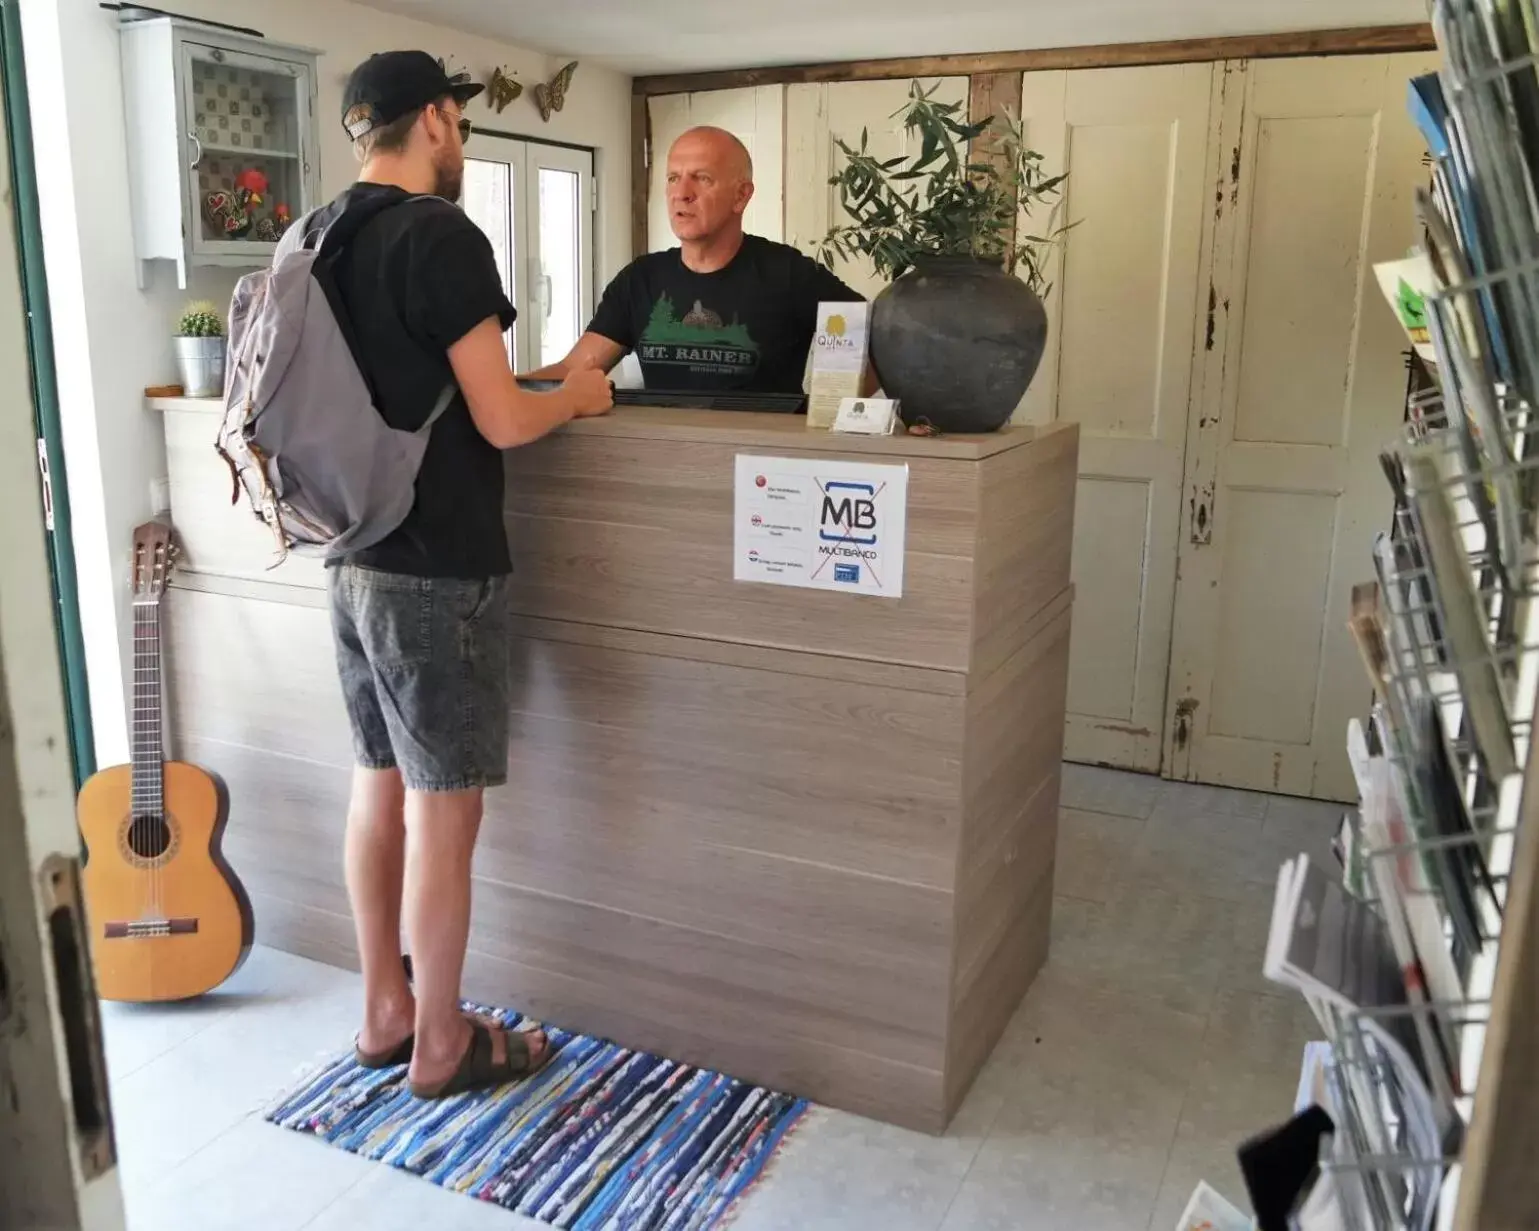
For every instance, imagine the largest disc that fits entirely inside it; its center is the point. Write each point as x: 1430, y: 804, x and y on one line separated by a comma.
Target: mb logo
x: 844, y: 514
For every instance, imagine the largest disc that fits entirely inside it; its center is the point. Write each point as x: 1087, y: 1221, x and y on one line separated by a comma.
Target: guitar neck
x: 147, y: 747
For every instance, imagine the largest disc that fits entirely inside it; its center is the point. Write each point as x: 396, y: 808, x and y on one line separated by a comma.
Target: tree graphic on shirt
x: 663, y: 316
x: 706, y: 329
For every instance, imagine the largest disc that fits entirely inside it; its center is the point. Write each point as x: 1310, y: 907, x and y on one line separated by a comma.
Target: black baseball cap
x: 390, y: 84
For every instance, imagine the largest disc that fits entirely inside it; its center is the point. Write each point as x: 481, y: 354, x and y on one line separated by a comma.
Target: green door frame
x: 45, y: 391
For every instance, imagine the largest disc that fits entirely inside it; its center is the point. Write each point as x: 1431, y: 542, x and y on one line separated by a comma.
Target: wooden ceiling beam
x: 1363, y: 40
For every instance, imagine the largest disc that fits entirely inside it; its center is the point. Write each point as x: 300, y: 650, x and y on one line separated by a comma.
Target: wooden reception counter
x: 800, y: 836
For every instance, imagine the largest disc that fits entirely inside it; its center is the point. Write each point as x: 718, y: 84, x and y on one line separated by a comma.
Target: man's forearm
x: 533, y: 415
x: 559, y: 370
x: 593, y: 352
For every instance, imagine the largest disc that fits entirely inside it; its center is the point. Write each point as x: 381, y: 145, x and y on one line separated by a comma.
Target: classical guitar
x: 169, y: 919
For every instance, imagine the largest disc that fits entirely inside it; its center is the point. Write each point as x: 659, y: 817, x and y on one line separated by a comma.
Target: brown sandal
x: 479, y: 1070
x: 401, y: 1053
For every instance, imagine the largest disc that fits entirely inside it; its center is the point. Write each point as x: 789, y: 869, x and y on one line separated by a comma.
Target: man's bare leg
x: 374, y: 856
x: 441, y: 828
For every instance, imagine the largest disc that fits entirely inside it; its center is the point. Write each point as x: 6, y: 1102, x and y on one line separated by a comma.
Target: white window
x: 535, y: 202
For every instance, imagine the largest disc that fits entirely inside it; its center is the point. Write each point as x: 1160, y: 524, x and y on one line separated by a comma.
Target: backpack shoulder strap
x: 344, y: 228
x: 328, y: 241
x: 439, y: 407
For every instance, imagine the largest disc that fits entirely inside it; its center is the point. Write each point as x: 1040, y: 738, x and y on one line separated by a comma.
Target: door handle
x: 537, y: 287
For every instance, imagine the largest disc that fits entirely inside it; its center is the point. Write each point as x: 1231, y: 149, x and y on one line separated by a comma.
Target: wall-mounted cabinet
x: 223, y: 146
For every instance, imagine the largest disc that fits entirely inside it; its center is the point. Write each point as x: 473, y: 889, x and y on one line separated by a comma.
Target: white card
x: 866, y: 416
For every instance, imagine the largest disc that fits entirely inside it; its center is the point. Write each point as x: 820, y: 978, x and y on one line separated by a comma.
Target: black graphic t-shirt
x: 748, y: 326
x: 415, y: 280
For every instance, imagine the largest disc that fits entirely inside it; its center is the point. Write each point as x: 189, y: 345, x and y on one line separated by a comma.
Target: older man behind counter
x: 724, y: 310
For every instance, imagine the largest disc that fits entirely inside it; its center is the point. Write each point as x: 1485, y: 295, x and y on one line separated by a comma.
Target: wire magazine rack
x: 1458, y: 582
x: 1400, y: 1124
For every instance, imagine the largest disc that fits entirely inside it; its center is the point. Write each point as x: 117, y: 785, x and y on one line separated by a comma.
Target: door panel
x: 1302, y: 275
x: 815, y: 115
x: 1103, y: 658
x: 58, y: 1162
x: 755, y: 115
x: 1300, y: 386
x: 492, y: 186
x: 535, y: 203
x: 1276, y: 573
x: 559, y: 205
x: 1127, y: 254
x: 1118, y: 362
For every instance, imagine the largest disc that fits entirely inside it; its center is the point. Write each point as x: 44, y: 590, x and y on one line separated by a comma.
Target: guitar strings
x: 137, y: 770
x: 149, y: 829
x: 149, y: 752
x: 157, y: 784
x: 143, y: 820
x: 147, y: 783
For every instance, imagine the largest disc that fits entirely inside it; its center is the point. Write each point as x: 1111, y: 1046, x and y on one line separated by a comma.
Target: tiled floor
x: 1148, y: 1047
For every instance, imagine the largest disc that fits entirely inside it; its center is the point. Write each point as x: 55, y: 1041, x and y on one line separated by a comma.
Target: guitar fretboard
x: 147, y: 794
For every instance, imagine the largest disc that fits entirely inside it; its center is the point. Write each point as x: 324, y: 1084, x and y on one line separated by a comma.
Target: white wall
x: 112, y: 339
x: 682, y: 36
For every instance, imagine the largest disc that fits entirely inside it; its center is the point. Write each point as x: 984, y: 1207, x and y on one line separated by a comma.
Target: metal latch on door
x: 1202, y: 514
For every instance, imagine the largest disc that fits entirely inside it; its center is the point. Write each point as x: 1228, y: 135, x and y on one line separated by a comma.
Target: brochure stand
x: 1434, y: 1094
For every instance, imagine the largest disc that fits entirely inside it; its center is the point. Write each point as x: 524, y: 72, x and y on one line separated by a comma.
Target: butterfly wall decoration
x: 457, y: 76
x: 502, y: 90
x: 551, y: 97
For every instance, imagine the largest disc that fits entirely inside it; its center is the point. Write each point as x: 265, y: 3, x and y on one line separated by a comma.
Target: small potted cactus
x: 200, y: 347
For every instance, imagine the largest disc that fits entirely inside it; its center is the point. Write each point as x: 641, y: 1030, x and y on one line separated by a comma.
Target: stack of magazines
x: 1395, y: 949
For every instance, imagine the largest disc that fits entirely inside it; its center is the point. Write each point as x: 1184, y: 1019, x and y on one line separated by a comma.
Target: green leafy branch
x: 944, y: 201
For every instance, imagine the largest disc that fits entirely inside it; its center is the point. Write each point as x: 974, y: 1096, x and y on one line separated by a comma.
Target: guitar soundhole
x: 149, y: 837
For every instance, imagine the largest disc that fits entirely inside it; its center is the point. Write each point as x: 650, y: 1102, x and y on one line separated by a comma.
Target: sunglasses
x: 461, y: 123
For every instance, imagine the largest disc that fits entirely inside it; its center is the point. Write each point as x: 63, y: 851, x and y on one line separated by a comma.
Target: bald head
x: 717, y: 145
x: 710, y: 182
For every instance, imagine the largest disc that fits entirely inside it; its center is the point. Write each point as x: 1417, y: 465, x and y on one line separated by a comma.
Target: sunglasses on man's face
x: 462, y: 124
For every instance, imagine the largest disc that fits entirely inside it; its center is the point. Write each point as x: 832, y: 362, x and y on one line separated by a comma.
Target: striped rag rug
x: 601, y: 1139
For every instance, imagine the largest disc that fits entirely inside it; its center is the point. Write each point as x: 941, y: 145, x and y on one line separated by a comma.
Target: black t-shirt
x: 414, y: 281
x: 747, y: 326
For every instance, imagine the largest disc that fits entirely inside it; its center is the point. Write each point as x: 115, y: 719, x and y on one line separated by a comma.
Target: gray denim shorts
x: 424, y: 667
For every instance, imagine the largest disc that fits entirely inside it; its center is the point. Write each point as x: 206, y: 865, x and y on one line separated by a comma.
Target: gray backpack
x: 301, y: 431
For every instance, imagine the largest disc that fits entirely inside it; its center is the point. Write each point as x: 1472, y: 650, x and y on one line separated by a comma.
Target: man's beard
x: 449, y: 181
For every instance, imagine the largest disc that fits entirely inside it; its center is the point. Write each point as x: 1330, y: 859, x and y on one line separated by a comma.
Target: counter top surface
x: 749, y: 428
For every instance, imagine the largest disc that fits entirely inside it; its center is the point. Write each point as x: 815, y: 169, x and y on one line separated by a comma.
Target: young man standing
x: 420, y: 619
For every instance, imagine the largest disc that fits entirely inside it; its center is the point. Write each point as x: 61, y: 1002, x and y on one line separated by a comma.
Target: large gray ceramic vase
x: 957, y: 340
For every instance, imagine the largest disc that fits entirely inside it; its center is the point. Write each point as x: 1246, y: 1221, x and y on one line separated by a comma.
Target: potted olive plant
x: 958, y: 333
x: 200, y: 347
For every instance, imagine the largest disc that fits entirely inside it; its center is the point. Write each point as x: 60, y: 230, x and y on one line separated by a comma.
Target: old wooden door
x: 1122, y: 310
x: 1298, y: 384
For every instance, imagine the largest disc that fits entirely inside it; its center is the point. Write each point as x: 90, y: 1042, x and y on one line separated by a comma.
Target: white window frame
x: 526, y: 157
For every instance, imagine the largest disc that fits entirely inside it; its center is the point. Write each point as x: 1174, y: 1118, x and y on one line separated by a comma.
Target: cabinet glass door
x: 247, y: 120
